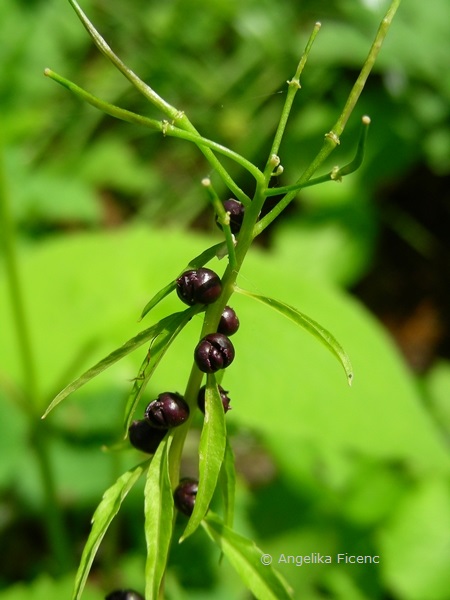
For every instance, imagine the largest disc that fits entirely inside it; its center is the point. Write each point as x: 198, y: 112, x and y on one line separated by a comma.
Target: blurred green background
x: 106, y: 213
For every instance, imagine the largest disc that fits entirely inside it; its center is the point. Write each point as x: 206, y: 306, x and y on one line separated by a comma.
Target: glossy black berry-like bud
x: 168, y: 410
x: 214, y: 352
x: 223, y: 395
x: 124, y: 595
x: 199, y: 286
x: 236, y: 210
x: 144, y: 437
x: 185, y: 494
x: 229, y: 322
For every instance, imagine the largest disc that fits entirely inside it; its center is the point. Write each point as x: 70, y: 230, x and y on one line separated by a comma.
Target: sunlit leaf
x: 211, y: 453
x: 104, y: 514
x: 116, y: 355
x: 172, y: 327
x: 228, y: 484
x: 248, y: 560
x: 158, y: 519
x: 319, y: 332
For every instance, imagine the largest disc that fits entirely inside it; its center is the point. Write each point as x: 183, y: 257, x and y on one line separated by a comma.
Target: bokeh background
x: 106, y: 213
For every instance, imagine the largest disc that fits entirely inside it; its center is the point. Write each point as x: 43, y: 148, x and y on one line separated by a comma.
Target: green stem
x: 293, y: 87
x: 366, y: 69
x: 335, y: 174
x: 53, y: 518
x: 177, y: 116
x: 332, y: 137
x: 164, y: 127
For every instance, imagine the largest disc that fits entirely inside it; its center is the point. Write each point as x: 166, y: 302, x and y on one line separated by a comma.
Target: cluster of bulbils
x: 214, y: 352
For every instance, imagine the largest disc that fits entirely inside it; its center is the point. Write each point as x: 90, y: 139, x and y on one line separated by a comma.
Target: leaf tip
x: 350, y: 379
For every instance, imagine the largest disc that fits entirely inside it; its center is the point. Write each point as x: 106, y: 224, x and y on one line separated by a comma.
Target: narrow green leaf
x: 158, y: 519
x: 132, y: 344
x: 165, y: 336
x: 211, y: 453
x: 207, y: 255
x: 104, y: 514
x: 195, y: 263
x: 157, y: 298
x: 228, y: 484
x: 310, y: 325
x: 248, y: 560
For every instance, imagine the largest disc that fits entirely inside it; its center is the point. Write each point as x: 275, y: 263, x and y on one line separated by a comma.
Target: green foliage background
x: 107, y: 214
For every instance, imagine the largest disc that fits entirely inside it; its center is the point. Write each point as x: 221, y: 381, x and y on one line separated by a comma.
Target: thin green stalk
x: 53, y: 518
x: 366, y: 69
x: 177, y: 117
x: 223, y: 219
x: 293, y: 87
x: 164, y: 127
x: 332, y: 138
x: 336, y: 173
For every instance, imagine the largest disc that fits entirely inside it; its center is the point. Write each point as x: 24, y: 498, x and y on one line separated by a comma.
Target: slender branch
x: 366, y: 69
x: 164, y: 127
x: 336, y: 173
x: 332, y: 137
x: 223, y: 218
x: 169, y: 110
x: 177, y: 116
x: 293, y: 87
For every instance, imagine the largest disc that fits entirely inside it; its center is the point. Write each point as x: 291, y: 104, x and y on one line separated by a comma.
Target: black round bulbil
x: 236, y: 211
x: 199, y: 286
x: 185, y: 494
x: 223, y: 395
x: 167, y: 411
x: 144, y: 437
x: 214, y: 352
x: 229, y: 322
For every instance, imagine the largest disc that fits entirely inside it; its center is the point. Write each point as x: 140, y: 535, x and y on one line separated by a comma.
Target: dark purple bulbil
x: 198, y: 286
x: 236, y: 210
x: 229, y: 322
x: 214, y: 352
x: 168, y: 410
x: 185, y: 494
x: 124, y: 595
x: 223, y: 395
x: 144, y: 437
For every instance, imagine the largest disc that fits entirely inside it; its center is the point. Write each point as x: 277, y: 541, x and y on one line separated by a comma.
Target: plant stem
x: 294, y: 86
x: 53, y: 518
x: 251, y: 226
x: 332, y: 137
x: 366, y: 69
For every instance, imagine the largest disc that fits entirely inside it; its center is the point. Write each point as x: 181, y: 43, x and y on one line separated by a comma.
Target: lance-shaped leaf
x: 197, y: 262
x: 158, y: 519
x: 248, y: 560
x: 132, y: 344
x: 104, y: 514
x: 319, y: 332
x: 172, y: 327
x: 227, y: 483
x: 211, y: 453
